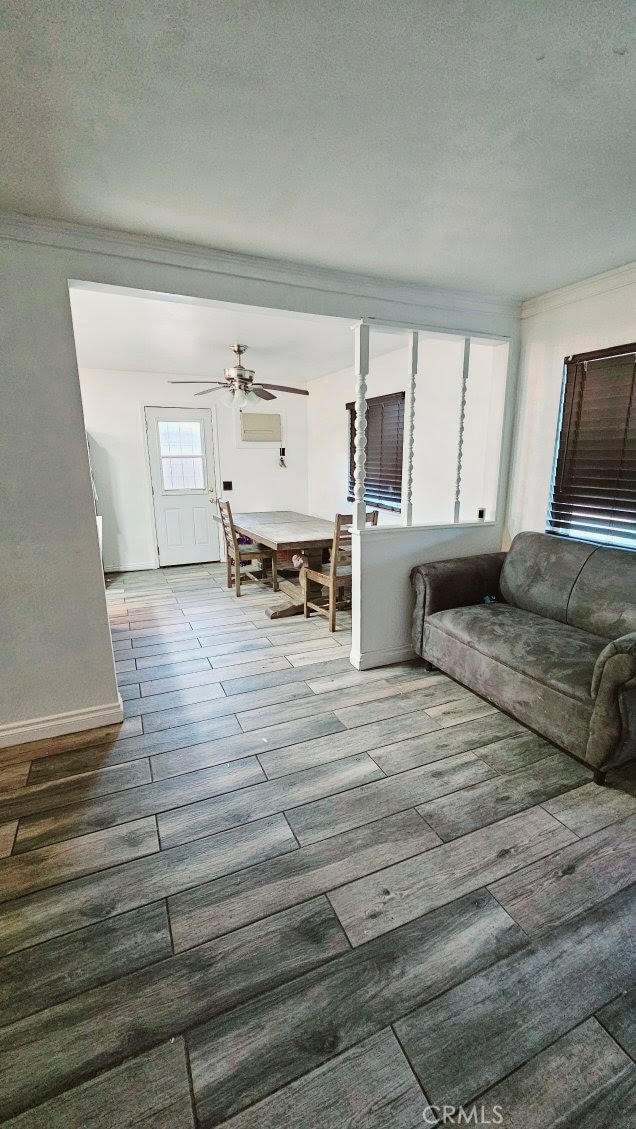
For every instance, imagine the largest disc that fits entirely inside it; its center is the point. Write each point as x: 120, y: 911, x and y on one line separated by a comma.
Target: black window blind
x: 385, y: 433
x: 594, y: 490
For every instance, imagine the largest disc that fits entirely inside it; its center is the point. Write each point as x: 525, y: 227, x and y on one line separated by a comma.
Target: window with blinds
x: 594, y: 488
x: 385, y: 433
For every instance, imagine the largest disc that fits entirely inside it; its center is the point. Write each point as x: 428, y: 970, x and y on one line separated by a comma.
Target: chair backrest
x: 229, y: 531
x: 341, y: 545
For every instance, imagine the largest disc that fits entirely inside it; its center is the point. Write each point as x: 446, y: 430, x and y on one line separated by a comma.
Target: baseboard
x: 367, y: 660
x: 58, y: 724
x: 143, y: 567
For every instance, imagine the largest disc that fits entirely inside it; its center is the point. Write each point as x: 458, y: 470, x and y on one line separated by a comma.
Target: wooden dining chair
x: 335, y: 577
x: 238, y: 555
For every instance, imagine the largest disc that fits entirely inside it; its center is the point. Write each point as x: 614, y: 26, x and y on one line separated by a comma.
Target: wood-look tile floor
x: 285, y: 892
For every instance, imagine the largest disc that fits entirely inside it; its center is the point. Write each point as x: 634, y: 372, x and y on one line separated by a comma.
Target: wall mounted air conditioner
x: 260, y: 427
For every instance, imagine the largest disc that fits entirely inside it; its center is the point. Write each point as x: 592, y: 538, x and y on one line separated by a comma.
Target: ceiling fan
x: 238, y: 387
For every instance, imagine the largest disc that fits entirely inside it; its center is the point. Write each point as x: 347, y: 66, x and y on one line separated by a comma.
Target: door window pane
x: 180, y: 438
x: 182, y: 474
x: 182, y: 458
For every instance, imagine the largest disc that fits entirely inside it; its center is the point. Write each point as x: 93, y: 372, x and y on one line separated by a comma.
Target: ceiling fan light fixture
x: 226, y: 397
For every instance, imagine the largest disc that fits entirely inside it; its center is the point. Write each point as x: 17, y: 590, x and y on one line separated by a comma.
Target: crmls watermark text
x: 463, y: 1115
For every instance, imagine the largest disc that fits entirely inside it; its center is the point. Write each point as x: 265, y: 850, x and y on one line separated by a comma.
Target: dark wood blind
x: 594, y: 492
x: 385, y: 433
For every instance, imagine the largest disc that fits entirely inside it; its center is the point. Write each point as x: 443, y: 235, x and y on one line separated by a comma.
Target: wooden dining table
x: 288, y: 530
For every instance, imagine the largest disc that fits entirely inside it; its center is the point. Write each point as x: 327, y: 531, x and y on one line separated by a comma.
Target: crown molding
x: 578, y: 291
x: 147, y: 248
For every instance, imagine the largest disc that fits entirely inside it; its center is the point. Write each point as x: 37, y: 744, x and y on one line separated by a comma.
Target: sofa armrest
x: 615, y: 665
x: 452, y: 583
x: 458, y: 582
x: 612, y: 739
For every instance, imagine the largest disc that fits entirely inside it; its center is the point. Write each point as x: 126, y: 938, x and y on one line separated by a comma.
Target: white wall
x: 57, y: 657
x: 114, y: 413
x: 594, y: 314
x: 436, y: 431
x: 57, y: 661
x: 383, y: 603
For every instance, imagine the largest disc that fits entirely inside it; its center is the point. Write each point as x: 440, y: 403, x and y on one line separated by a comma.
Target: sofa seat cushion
x: 552, y: 653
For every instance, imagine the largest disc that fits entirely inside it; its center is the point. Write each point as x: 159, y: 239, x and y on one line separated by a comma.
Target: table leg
x: 294, y: 592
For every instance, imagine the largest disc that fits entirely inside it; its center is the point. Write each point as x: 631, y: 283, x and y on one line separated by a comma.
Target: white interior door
x: 180, y: 447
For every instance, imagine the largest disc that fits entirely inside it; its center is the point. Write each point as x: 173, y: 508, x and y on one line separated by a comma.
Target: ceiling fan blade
x: 284, y: 388
x: 206, y: 391
x: 196, y: 382
x: 262, y: 394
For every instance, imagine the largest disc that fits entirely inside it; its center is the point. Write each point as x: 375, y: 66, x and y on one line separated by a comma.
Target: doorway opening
x: 165, y: 447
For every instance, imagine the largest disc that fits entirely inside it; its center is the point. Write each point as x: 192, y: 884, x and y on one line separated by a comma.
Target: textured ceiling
x: 481, y: 144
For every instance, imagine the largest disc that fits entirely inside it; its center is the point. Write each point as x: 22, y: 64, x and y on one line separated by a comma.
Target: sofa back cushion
x: 540, y: 571
x: 603, y: 599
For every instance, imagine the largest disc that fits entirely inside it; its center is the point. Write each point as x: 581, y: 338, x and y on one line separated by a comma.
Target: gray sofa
x: 557, y: 648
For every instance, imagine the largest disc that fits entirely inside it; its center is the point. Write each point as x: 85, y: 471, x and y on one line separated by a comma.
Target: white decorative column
x: 409, y: 424
x: 361, y: 373
x: 462, y: 420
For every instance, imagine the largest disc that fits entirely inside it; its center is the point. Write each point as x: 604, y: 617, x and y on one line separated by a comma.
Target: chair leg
x: 228, y: 562
x: 274, y: 573
x: 237, y: 577
x: 332, y: 608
